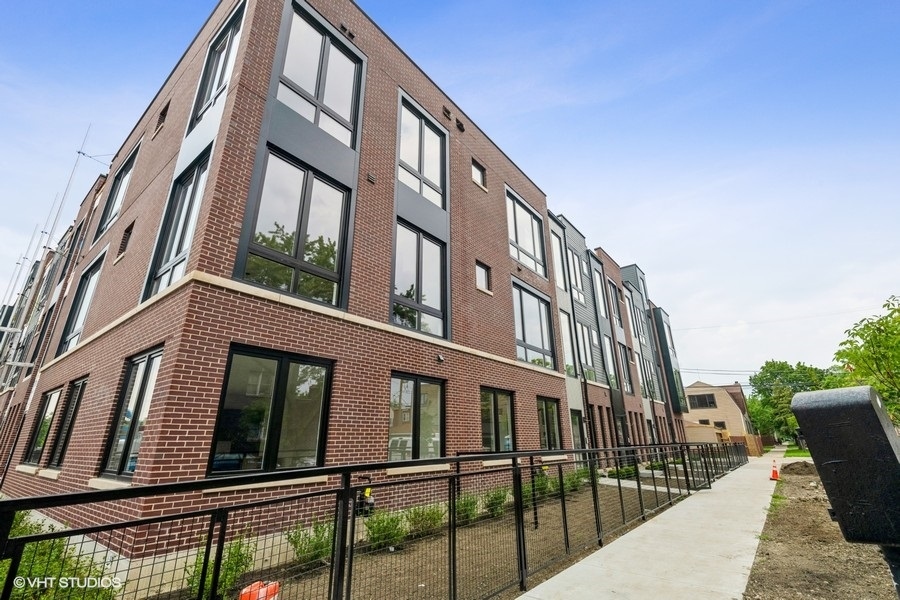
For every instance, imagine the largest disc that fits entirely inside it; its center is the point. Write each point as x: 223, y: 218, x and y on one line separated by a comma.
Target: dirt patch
x: 799, y: 468
x: 802, y: 553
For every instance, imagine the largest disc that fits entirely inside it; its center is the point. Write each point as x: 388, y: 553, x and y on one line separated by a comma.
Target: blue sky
x: 745, y: 154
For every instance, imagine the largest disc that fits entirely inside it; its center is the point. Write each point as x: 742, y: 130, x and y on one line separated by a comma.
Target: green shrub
x: 466, y: 509
x: 385, y: 529
x: 573, y: 480
x: 495, y: 501
x: 312, y: 544
x: 622, y: 473
x: 541, y: 484
x: 425, y: 520
x: 657, y: 465
x: 237, y: 558
x: 51, y: 557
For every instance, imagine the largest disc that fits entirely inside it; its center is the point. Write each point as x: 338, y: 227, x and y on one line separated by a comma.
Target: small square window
x: 719, y: 424
x: 482, y: 276
x: 704, y: 421
x: 479, y: 175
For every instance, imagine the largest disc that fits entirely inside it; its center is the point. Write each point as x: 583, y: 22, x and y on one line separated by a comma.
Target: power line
x: 843, y: 312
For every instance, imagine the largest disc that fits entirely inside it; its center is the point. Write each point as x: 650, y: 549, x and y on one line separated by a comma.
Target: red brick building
x: 304, y: 254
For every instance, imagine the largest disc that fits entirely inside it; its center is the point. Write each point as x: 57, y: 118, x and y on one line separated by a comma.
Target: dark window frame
x: 115, y: 200
x: 71, y: 336
x: 124, y: 470
x: 559, y: 261
x: 216, y: 65
x: 317, y: 97
x: 425, y: 121
x: 477, y: 167
x: 415, y: 418
x: 34, y: 454
x: 543, y: 426
x: 702, y: 401
x: 67, y: 422
x: 522, y: 289
x: 516, y: 251
x: 181, y: 232
x: 276, y: 407
x: 487, y: 276
x: 495, y: 422
x: 415, y: 304
x: 294, y: 261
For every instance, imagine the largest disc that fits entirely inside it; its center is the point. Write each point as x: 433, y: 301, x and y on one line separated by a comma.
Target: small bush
x: 573, y: 480
x: 622, y: 473
x: 312, y: 544
x: 466, y: 509
x: 657, y: 465
x: 51, y: 557
x: 541, y: 484
x: 385, y: 529
x: 495, y: 501
x: 237, y: 558
x: 425, y: 520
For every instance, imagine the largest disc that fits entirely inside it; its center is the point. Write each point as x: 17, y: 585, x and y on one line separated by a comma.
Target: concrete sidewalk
x: 703, y: 547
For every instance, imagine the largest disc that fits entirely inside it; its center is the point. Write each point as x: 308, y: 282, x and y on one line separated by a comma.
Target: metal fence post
x: 452, y: 490
x: 519, y: 509
x: 637, y: 479
x: 340, y: 538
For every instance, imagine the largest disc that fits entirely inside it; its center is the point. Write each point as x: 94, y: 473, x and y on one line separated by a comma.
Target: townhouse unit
x: 306, y: 254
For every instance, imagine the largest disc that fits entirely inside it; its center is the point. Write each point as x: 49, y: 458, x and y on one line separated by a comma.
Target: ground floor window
x: 273, y: 412
x: 417, y: 418
x: 496, y: 421
x: 42, y: 427
x: 548, y: 423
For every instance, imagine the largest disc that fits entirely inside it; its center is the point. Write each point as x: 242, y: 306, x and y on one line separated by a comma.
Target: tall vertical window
x: 134, y: 407
x: 76, y: 391
x: 650, y: 379
x: 575, y: 273
x: 637, y: 320
x: 178, y: 228
x: 320, y: 80
x: 418, y: 299
x: 609, y: 363
x: 482, y: 276
x: 600, y: 298
x: 584, y: 350
x: 273, y: 413
x: 558, y: 264
x: 626, y: 370
x: 565, y: 325
x: 417, y: 418
x: 80, y: 306
x: 298, y: 237
x: 116, y: 195
x: 548, y: 423
x: 614, y: 300
x: 219, y: 62
x: 577, y: 429
x: 526, y: 237
x: 42, y: 427
x: 422, y: 151
x: 534, y: 341
x: 496, y: 421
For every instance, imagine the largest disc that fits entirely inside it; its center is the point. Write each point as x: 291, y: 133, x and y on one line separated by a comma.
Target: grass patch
x: 777, y: 498
x: 795, y: 452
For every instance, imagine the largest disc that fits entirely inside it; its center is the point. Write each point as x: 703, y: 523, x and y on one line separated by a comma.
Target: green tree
x: 871, y: 355
x: 774, y: 385
x: 762, y: 416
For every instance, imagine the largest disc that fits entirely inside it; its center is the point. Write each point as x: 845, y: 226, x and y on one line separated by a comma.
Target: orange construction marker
x: 774, y: 476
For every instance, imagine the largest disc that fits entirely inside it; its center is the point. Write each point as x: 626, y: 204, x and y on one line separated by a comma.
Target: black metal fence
x: 464, y: 527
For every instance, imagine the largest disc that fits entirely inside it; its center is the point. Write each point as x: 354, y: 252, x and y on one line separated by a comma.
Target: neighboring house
x: 262, y: 284
x: 723, y: 407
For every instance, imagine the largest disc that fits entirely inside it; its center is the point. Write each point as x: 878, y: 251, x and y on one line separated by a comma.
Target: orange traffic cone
x: 774, y: 476
x: 260, y: 590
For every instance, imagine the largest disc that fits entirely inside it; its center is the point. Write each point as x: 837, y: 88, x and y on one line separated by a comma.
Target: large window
x: 534, y: 340
x: 116, y: 194
x: 42, y: 427
x: 219, y: 62
x: 526, y: 236
x: 178, y: 228
x: 702, y: 400
x: 273, y: 413
x: 418, y: 299
x: 614, y: 302
x: 131, y: 418
x: 496, y: 421
x: 576, y: 269
x: 626, y: 369
x: 320, y: 80
x: 422, y: 149
x: 584, y: 351
x: 577, y: 429
x: 298, y: 236
x: 548, y: 423
x: 600, y: 298
x: 565, y: 324
x: 558, y: 264
x: 80, y: 306
x: 61, y: 444
x: 417, y: 418
x: 609, y: 363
